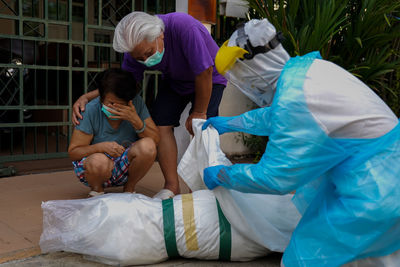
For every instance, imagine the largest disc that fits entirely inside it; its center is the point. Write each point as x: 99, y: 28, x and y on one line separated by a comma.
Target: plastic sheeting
x: 346, y: 189
x: 268, y: 220
x: 126, y: 229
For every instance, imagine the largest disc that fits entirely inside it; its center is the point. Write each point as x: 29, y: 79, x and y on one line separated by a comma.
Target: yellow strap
x: 189, y: 222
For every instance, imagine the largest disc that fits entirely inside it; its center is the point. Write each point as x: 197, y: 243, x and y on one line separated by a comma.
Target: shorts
x: 119, y: 175
x: 169, y: 105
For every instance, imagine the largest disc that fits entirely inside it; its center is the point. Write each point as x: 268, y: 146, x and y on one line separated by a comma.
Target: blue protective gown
x: 347, y: 189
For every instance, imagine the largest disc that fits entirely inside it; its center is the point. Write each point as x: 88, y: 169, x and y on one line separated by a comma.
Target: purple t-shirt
x: 189, y: 50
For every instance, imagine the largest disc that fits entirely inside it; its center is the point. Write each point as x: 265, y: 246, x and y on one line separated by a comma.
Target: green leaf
x: 387, y: 20
x: 358, y: 39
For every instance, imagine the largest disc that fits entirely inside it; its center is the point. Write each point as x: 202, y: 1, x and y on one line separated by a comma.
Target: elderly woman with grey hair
x: 183, y: 50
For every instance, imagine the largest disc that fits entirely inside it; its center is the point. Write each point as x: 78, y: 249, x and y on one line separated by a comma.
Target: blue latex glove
x: 210, y: 176
x: 219, y: 123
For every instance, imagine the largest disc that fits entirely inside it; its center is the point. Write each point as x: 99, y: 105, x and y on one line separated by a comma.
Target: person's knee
x: 145, y: 147
x: 98, y: 164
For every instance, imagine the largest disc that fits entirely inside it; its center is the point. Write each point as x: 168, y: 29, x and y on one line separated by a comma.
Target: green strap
x: 225, y: 239
x: 169, y: 228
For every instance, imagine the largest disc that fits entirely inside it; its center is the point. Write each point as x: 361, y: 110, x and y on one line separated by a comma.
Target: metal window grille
x: 50, y: 53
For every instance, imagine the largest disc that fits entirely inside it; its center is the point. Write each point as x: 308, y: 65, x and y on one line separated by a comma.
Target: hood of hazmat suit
x: 253, y: 59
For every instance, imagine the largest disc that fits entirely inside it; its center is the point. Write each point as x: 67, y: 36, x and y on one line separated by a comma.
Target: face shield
x: 252, y: 60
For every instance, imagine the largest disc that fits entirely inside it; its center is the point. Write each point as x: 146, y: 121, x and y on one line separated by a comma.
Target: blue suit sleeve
x: 249, y: 178
x: 256, y: 122
x: 290, y: 161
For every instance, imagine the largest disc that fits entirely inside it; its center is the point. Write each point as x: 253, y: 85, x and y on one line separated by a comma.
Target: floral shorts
x: 119, y: 175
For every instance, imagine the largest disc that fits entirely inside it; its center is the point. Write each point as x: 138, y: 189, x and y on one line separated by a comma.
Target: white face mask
x: 153, y: 59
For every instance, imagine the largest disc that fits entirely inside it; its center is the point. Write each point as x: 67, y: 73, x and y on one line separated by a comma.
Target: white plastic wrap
x: 127, y: 229
x: 114, y: 228
x: 268, y: 220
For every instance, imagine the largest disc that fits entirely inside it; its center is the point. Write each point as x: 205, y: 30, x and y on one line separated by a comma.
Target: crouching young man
x: 115, y: 142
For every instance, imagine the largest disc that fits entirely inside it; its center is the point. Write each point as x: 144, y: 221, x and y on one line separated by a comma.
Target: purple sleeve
x: 196, y: 50
x: 131, y: 65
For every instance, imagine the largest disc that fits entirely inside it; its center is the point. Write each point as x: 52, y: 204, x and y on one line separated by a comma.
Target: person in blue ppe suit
x: 331, y: 139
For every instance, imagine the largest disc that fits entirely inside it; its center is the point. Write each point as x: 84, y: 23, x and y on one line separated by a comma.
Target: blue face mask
x: 106, y: 111
x: 153, y: 59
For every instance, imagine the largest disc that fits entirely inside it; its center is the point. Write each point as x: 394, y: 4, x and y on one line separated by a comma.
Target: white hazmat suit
x: 331, y: 139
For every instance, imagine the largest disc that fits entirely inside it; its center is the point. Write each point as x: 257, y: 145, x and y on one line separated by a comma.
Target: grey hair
x: 134, y: 28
